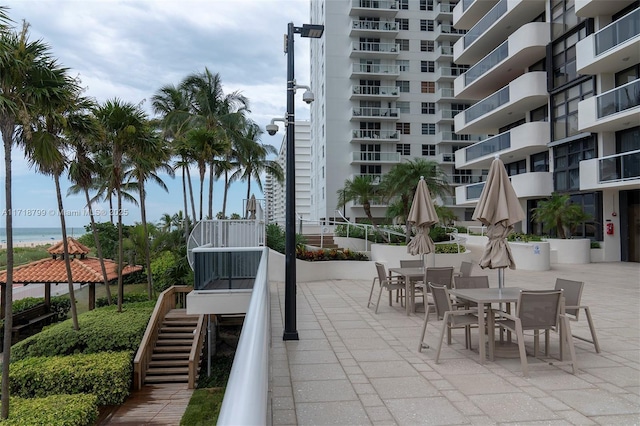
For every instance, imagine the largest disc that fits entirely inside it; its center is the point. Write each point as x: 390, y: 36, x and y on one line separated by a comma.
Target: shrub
x: 53, y: 410
x: 595, y: 245
x: 103, y: 329
x: 126, y: 298
x: 524, y: 238
x: 318, y: 255
x: 276, y: 238
x: 169, y: 268
x: 61, y: 305
x: 106, y: 375
x: 449, y: 248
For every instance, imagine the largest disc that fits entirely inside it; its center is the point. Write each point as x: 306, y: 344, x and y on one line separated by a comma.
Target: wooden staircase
x: 170, y: 358
x: 326, y: 241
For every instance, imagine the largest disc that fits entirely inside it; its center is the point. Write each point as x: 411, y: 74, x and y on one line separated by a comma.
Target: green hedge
x: 126, y: 298
x: 107, y: 375
x: 103, y: 329
x: 54, y: 410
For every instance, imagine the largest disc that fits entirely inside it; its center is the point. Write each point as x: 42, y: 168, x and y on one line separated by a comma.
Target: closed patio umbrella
x: 251, y: 207
x: 499, y: 209
x: 422, y: 215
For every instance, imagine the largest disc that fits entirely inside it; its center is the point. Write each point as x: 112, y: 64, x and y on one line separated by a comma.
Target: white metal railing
x: 375, y: 134
x: 375, y: 90
x: 375, y: 4
x: 375, y: 157
x: 247, y: 394
x: 375, y: 112
x: 367, y: 229
x: 375, y: 25
x: 376, y: 68
x: 365, y: 46
x: 482, y: 230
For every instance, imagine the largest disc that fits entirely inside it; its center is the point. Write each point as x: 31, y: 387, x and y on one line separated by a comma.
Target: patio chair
x: 465, y: 269
x: 413, y: 263
x: 462, y: 282
x: 451, y: 317
x: 538, y: 310
x: 386, y: 283
x: 572, y: 295
x: 441, y: 275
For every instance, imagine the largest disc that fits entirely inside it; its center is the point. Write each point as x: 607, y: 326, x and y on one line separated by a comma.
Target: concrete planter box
x: 597, y: 255
x: 534, y: 256
x: 390, y: 255
x: 323, y: 270
x: 574, y: 251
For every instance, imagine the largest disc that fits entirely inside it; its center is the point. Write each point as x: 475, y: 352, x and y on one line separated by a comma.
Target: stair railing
x: 167, y: 300
x: 196, y: 351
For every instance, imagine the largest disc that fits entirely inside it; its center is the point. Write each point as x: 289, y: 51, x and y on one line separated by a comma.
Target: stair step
x: 166, y: 379
x: 174, y: 335
x: 167, y: 371
x: 174, y: 342
x: 175, y: 349
x: 169, y: 363
x: 177, y: 328
x: 161, y: 356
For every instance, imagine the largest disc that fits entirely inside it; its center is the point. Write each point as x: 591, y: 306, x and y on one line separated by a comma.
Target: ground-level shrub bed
x: 106, y: 375
x: 54, y: 410
x: 101, y: 330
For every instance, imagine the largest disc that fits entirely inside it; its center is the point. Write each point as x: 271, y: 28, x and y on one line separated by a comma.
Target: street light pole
x: 290, y: 328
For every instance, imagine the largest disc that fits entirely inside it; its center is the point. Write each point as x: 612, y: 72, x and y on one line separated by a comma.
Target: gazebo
x: 84, y: 270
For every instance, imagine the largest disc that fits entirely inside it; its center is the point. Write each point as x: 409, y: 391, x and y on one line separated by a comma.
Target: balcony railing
x: 487, y: 21
x: 466, y: 4
x: 375, y: 134
x: 225, y: 270
x: 474, y: 191
x: 375, y: 112
x: 619, y: 99
x: 375, y: 4
x: 446, y: 7
x: 376, y: 90
x: 487, y: 105
x: 465, y: 179
x: 485, y: 64
x: 449, y: 29
x: 445, y: 50
x: 376, y: 68
x: 618, y: 32
x: 377, y: 157
x: 375, y: 179
x: 375, y: 25
x: 488, y: 146
x: 619, y: 167
x: 361, y: 46
x: 450, y: 136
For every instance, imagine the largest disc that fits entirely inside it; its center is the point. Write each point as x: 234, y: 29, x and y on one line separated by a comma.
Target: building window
x: 403, y: 24
x: 428, y: 108
x: 427, y: 46
x: 539, y: 114
x: 591, y: 203
x: 566, y: 162
x: 403, y: 107
x: 403, y: 148
x: 428, y: 150
x: 426, y: 4
x: 403, y: 86
x: 628, y: 140
x: 426, y: 25
x: 403, y: 4
x: 403, y: 65
x: 403, y: 43
x: 564, y: 109
x: 540, y: 162
x: 516, y: 168
x: 427, y: 87
x: 404, y: 128
x: 428, y: 128
x: 563, y: 16
x: 427, y: 66
x: 563, y: 58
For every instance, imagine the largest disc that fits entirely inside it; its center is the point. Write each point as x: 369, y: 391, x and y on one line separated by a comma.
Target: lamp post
x: 290, y: 329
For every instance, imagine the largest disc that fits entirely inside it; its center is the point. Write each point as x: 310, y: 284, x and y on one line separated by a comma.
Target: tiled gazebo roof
x: 75, y: 248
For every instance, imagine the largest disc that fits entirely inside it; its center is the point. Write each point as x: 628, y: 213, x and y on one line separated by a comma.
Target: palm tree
x: 26, y: 69
x: 125, y: 125
x: 360, y: 190
x: 558, y: 212
x: 148, y: 156
x: 401, y: 182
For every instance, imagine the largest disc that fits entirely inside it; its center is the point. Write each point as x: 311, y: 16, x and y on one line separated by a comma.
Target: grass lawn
x: 204, y: 407
x: 82, y: 295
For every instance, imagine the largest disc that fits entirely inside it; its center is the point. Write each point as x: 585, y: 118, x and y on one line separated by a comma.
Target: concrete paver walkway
x: 354, y: 367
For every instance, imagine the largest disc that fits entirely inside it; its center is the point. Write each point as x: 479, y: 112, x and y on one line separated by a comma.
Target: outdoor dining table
x: 409, y: 275
x: 484, y: 297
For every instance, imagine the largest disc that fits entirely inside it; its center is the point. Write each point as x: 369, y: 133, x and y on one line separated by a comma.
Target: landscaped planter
x: 391, y: 255
x: 533, y: 256
x: 321, y: 270
x: 574, y: 251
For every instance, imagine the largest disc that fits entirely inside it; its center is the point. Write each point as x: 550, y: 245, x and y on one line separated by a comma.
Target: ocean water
x: 26, y: 235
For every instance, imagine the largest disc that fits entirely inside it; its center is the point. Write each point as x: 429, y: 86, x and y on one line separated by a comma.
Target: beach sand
x: 28, y: 243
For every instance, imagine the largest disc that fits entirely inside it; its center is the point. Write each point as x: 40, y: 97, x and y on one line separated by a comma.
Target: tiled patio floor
x: 354, y: 367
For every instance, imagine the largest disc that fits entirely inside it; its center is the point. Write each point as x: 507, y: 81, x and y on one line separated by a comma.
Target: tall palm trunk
x: 202, y: 171
x: 186, y: 210
x: 120, y: 250
x: 147, y: 252
x: 193, y: 201
x: 210, y: 210
x: 110, y: 209
x: 226, y: 190
x: 67, y: 261
x: 7, y: 138
x: 94, y: 230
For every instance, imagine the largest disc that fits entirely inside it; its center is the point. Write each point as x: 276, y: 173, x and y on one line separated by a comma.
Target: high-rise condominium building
x: 383, y: 77
x: 557, y: 84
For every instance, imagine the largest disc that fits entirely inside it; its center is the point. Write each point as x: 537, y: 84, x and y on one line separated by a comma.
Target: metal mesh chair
x: 480, y: 281
x: 465, y: 269
x: 572, y: 295
x: 386, y: 283
x: 414, y: 263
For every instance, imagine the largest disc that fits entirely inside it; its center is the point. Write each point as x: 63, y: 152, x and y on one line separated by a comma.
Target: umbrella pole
x: 500, y: 277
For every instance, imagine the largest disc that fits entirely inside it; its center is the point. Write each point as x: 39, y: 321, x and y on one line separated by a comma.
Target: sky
x: 129, y: 49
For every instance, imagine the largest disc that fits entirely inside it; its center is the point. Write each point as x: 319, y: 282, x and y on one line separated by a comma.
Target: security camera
x: 272, y: 129
x: 308, y: 97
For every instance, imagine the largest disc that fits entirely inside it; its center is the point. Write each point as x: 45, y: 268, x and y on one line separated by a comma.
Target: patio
x: 353, y: 367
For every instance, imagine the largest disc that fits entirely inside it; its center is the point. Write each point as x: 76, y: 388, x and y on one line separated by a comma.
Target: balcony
x: 358, y: 157
x: 505, y: 63
x: 620, y: 171
x: 445, y: 115
x: 523, y: 94
x: 374, y: 92
x: 373, y: 50
x: 468, y: 12
x: 450, y: 137
x: 374, y: 28
x: 445, y: 94
x: 376, y: 178
x: 616, y: 109
x: 375, y: 70
x: 593, y: 8
x: 499, y: 23
x: 613, y: 48
x: 444, y: 50
x: 525, y: 185
x: 446, y: 32
x: 515, y: 145
x: 448, y: 73
x: 444, y: 11
x: 378, y: 135
x: 446, y: 158
x: 368, y: 113
x: 374, y: 8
